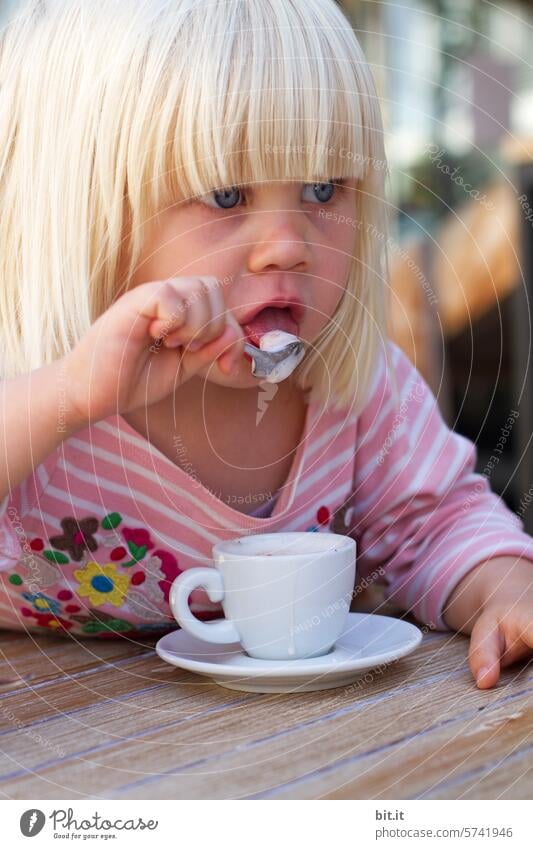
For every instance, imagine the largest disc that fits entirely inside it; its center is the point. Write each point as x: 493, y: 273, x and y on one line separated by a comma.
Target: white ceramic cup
x: 284, y: 595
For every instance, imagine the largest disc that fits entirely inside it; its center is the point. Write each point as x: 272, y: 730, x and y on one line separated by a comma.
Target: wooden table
x: 110, y: 720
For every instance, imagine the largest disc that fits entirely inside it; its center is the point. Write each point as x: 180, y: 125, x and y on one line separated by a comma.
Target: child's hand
x: 137, y: 352
x: 501, y: 590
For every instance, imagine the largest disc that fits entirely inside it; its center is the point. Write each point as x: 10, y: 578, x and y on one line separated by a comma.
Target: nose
x: 281, y: 243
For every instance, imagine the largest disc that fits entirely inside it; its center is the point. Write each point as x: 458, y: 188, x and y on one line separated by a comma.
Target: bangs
x: 262, y: 92
x: 114, y: 109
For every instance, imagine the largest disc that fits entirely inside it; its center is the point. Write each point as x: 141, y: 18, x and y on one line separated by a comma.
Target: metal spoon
x: 264, y: 362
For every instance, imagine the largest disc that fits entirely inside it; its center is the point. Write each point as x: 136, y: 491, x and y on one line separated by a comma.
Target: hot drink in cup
x: 284, y: 595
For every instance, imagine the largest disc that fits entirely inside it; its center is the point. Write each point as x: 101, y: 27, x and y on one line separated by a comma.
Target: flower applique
x: 102, y: 584
x: 170, y: 569
x: 78, y: 535
x: 46, y: 611
x: 339, y: 523
x: 146, y: 602
x: 322, y: 519
x: 137, y: 578
x: 98, y: 622
x: 42, y: 603
x: 48, y: 620
x: 138, y: 541
x: 336, y: 521
x: 36, y: 571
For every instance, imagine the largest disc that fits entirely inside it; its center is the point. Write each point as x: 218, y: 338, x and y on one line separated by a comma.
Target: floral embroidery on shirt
x: 47, y: 620
x: 38, y: 572
x: 322, y: 515
x: 78, y: 535
x: 339, y: 523
x: 97, y: 622
x: 138, y: 541
x: 334, y: 521
x: 102, y: 584
x: 324, y: 520
x: 55, y: 556
x: 42, y: 602
x: 154, y: 593
x: 112, y: 520
x: 135, y: 578
x: 170, y: 569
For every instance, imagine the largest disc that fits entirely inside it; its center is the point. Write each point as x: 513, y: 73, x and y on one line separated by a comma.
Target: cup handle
x: 209, y: 579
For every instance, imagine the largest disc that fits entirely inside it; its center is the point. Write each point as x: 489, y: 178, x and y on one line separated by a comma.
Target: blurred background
x: 455, y: 80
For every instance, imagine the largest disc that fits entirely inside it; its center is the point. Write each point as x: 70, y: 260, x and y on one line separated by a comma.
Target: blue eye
x: 322, y: 192
x: 229, y: 197
x: 223, y: 199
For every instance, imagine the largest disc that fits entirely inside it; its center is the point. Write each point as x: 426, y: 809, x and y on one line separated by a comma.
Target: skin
x: 277, y: 237
x: 494, y: 604
x: 276, y: 240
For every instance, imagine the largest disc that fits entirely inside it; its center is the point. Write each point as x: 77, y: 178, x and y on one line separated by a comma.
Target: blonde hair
x: 113, y: 109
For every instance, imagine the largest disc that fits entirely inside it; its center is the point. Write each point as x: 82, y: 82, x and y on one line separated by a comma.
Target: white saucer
x: 368, y: 641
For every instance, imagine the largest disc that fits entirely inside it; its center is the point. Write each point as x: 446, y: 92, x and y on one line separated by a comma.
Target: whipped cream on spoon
x: 277, y: 357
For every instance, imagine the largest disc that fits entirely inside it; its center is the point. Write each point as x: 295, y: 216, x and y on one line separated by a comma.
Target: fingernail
x: 195, y: 346
x: 482, y: 672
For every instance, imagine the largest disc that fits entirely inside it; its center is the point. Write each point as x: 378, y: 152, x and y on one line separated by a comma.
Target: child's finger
x: 526, y: 633
x: 192, y: 361
x: 236, y: 341
x: 186, y: 307
x: 518, y: 638
x: 486, y: 649
x: 235, y: 351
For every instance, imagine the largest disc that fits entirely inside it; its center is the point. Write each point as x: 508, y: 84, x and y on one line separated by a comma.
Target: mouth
x: 272, y: 317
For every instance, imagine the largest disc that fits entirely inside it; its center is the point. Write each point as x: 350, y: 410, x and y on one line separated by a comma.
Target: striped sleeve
x: 15, y: 507
x: 420, y: 512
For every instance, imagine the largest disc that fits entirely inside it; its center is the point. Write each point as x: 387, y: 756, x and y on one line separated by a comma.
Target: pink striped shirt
x: 91, y: 541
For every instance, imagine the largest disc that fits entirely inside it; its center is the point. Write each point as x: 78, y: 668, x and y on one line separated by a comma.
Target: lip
x: 294, y: 305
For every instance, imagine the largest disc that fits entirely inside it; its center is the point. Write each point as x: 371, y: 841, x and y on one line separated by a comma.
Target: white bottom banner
x: 358, y: 823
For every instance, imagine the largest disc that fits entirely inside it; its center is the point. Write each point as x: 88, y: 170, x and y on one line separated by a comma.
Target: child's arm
x: 420, y: 511
x: 137, y: 352
x: 35, y: 420
x: 116, y: 367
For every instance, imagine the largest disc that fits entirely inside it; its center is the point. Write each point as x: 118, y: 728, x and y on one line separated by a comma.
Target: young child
x: 175, y: 177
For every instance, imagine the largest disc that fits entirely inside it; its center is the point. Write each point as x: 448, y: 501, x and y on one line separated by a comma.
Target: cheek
x: 338, y: 241
x: 335, y: 264
x: 186, y: 238
x: 332, y: 271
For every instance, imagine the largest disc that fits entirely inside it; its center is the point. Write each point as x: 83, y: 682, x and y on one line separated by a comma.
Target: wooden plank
x: 209, y: 754
x: 510, y: 777
x: 445, y: 753
x: 245, y: 751
x: 399, y: 725
x: 24, y: 658
x: 126, y: 679
x: 86, y: 687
